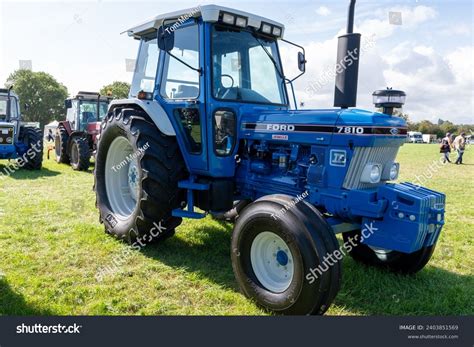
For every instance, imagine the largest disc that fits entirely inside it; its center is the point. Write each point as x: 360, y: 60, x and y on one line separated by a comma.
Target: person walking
x: 445, y: 148
x: 459, y: 145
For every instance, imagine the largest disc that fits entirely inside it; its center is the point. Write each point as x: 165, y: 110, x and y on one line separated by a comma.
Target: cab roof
x: 208, y: 13
x: 4, y: 92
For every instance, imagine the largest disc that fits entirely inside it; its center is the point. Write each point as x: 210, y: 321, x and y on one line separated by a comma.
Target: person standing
x: 445, y: 148
x: 459, y: 145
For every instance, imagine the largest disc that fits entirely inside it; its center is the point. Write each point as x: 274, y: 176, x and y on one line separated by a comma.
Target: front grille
x: 364, y: 155
x: 6, y: 135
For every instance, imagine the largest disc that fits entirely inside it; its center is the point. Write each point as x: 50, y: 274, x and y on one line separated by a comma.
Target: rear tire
x: 60, y: 145
x: 33, y: 138
x: 264, y: 244
x: 152, y: 178
x: 80, y: 154
x: 405, y: 263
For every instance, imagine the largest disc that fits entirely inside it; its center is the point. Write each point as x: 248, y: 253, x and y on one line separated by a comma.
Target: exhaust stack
x: 347, y: 65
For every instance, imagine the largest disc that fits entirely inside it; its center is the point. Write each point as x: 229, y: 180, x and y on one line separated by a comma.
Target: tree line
x: 42, y: 96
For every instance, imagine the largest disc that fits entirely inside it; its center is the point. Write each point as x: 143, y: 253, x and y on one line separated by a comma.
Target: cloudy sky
x: 424, y: 47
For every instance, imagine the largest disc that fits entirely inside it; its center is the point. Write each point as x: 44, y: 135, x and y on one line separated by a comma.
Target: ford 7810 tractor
x: 18, y: 141
x: 76, y: 137
x: 208, y: 123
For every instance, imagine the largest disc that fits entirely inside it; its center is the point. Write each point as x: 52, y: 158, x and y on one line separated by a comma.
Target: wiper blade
x: 269, y: 56
x: 183, y: 62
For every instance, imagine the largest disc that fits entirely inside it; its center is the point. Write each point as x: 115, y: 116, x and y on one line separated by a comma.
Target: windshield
x: 88, y: 111
x: 3, y: 107
x: 243, y: 67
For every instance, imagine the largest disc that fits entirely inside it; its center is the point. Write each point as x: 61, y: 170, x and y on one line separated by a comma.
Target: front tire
x: 60, y: 146
x: 404, y: 263
x: 136, y: 174
x: 80, y: 154
x: 33, y: 138
x: 276, y: 256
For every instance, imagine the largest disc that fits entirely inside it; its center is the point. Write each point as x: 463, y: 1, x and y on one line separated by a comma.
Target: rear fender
x: 152, y: 108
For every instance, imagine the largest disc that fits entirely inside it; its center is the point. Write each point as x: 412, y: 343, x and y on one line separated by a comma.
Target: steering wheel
x: 223, y: 91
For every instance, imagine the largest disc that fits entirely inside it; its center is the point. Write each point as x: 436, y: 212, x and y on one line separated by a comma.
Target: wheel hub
x: 272, y: 261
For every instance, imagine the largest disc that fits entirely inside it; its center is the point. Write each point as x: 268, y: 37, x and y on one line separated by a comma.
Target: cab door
x: 180, y: 90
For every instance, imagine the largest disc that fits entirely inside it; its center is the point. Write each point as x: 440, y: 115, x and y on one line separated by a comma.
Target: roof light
x: 266, y: 28
x: 228, y: 18
x: 276, y: 31
x: 241, y: 22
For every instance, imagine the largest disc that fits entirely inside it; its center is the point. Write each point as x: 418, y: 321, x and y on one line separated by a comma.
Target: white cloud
x: 323, y: 11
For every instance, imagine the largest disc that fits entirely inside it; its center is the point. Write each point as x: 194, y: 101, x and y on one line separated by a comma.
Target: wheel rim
x: 272, y: 261
x: 74, y: 154
x: 122, y: 178
x: 57, y: 146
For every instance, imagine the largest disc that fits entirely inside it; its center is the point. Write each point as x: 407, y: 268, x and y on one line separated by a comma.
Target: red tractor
x: 76, y: 137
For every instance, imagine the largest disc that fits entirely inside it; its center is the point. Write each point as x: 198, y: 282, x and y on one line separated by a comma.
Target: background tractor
x: 76, y: 137
x: 208, y: 124
x: 18, y: 140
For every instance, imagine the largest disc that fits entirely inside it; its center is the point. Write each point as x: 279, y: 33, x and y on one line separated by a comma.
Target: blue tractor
x: 208, y: 128
x: 18, y: 141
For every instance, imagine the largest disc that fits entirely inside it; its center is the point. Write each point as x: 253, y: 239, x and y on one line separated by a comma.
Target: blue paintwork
x: 13, y: 151
x: 322, y: 184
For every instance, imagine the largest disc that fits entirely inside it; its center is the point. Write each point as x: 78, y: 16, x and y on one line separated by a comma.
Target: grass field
x: 52, y: 244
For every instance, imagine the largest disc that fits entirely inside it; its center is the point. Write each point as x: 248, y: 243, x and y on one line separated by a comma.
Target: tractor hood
x: 333, y: 126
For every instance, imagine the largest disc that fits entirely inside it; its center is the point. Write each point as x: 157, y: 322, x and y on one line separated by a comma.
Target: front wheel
x: 279, y: 258
x: 405, y: 263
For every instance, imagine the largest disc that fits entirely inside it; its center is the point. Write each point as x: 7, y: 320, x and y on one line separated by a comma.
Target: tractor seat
x: 186, y: 92
x: 88, y: 117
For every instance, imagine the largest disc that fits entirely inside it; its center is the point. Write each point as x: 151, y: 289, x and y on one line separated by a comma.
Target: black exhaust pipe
x: 347, y: 65
x: 9, y: 102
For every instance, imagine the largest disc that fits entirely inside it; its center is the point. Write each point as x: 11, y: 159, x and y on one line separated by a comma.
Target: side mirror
x: 68, y: 104
x: 301, y: 62
x: 165, y: 39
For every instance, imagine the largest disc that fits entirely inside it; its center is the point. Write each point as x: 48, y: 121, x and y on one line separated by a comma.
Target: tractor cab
x: 205, y: 68
x: 84, y: 109
x: 76, y: 137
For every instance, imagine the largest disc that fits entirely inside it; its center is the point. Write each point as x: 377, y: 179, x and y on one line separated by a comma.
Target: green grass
x: 51, y: 246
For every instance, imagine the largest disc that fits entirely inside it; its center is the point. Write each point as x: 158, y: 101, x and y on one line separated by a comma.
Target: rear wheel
x: 60, y: 145
x: 278, y: 259
x: 33, y: 138
x: 80, y: 154
x: 136, y: 173
x: 406, y: 263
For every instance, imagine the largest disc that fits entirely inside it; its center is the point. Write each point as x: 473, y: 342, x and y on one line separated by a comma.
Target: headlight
x: 390, y: 172
x: 394, y: 169
x: 371, y: 173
